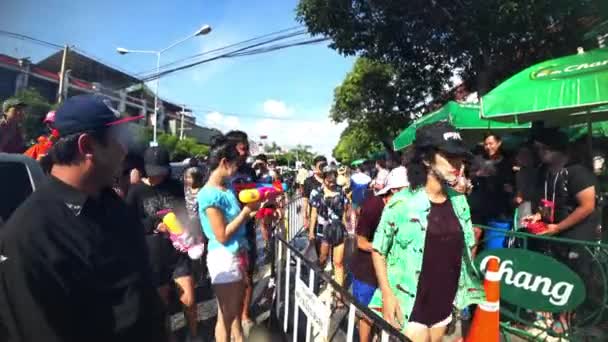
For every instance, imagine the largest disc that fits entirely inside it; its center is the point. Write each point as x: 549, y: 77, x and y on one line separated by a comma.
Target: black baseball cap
x: 442, y: 136
x: 157, y: 161
x: 553, y: 138
x: 83, y: 113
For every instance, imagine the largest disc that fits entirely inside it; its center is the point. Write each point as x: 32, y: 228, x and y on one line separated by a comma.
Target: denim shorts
x: 362, y: 291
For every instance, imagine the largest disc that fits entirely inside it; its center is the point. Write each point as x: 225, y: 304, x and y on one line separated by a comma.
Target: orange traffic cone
x: 485, y: 326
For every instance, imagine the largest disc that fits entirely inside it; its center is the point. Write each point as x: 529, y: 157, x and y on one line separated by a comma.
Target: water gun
x: 182, y: 239
x: 238, y: 187
x: 261, y: 192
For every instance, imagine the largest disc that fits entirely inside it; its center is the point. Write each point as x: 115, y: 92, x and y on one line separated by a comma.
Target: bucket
x: 495, y: 238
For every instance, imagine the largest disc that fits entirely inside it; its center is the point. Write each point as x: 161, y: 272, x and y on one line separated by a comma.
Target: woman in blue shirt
x: 223, y: 223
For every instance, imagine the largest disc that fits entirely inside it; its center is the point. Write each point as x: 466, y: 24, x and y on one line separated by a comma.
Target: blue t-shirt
x: 226, y: 201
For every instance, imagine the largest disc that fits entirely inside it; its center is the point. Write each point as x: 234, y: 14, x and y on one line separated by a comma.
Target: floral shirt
x: 329, y: 209
x: 400, y: 238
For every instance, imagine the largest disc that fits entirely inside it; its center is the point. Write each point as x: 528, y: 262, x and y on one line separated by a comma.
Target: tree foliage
x: 355, y: 143
x: 426, y: 41
x: 368, y: 100
x: 178, y: 149
x: 37, y: 108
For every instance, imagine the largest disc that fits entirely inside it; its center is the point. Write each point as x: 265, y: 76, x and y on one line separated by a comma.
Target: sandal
x: 558, y: 329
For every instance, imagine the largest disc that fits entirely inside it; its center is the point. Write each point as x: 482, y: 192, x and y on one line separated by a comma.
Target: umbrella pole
x: 590, y: 136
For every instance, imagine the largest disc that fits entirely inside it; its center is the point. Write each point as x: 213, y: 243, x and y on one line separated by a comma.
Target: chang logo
x: 534, y: 281
x: 568, y: 70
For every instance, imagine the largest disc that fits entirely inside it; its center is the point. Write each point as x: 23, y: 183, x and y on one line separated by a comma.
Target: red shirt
x: 362, y: 267
x: 40, y: 149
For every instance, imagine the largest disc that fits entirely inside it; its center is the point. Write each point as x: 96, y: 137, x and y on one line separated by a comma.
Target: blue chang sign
x: 534, y: 281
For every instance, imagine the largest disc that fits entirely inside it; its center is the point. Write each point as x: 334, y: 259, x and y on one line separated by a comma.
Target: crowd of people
x: 418, y: 225
x: 89, y: 257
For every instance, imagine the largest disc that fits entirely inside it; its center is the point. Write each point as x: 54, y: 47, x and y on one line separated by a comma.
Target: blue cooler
x: 495, y: 238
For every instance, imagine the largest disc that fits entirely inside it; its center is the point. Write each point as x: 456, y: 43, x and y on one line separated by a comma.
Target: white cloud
x: 322, y: 134
x: 221, y: 121
x: 276, y: 108
x: 315, y: 129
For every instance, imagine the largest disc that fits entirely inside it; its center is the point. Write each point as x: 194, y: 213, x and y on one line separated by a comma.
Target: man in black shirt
x: 74, y: 263
x: 570, y: 187
x: 150, y: 201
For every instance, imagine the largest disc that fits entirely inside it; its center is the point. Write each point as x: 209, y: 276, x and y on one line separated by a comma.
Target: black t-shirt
x: 441, y: 266
x: 371, y: 212
x: 77, y: 269
x: 490, y: 200
x: 526, y: 182
x: 564, y: 185
x: 309, y: 184
x: 146, y: 202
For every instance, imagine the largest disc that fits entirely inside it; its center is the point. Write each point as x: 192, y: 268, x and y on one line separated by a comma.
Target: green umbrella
x: 465, y: 117
x: 561, y: 91
x: 357, y: 162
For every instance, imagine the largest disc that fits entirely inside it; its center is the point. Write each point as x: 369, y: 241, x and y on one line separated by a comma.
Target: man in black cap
x: 150, y: 200
x: 11, y: 132
x: 73, y: 261
x: 568, y: 208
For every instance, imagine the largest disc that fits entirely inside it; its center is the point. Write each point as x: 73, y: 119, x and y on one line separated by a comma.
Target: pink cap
x: 50, y: 117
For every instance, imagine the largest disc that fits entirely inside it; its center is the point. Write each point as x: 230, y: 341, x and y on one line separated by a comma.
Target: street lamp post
x: 205, y: 29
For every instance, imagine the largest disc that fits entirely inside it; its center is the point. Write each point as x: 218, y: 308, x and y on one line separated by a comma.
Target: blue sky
x: 293, y: 88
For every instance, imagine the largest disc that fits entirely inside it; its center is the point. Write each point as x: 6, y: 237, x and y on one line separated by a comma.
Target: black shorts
x: 167, y: 263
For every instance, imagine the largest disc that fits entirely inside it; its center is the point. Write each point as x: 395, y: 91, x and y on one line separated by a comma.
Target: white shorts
x: 415, y: 326
x: 224, y: 267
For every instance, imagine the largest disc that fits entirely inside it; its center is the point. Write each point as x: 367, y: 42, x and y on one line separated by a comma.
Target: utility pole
x: 181, y: 126
x: 62, y: 74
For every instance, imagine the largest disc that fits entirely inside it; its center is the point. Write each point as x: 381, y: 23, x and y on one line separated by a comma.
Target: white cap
x: 396, y: 179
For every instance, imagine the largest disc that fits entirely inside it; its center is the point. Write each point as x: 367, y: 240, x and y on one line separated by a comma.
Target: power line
x: 204, y: 53
x: 30, y: 38
x: 237, y: 53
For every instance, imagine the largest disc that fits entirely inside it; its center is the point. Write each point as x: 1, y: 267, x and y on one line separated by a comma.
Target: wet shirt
x: 361, y: 266
x: 226, y: 202
x: 330, y: 209
x: 146, y: 202
x: 441, y: 265
x: 77, y: 269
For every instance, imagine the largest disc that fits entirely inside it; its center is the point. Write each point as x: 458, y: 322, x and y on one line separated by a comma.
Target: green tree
x: 368, y: 100
x: 178, y: 149
x: 272, y: 148
x: 355, y: 143
x: 37, y: 108
x: 428, y: 41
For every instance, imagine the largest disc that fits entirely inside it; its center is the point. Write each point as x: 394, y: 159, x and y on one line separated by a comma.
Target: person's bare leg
x: 418, y: 334
x: 221, y: 333
x: 248, y: 281
x: 338, y: 261
x: 230, y: 300
x: 365, y: 330
x: 323, y: 254
x: 437, y: 334
x: 188, y: 299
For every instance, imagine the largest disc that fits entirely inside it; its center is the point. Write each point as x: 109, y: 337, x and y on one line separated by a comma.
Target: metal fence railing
x: 587, y: 321
x: 303, y: 288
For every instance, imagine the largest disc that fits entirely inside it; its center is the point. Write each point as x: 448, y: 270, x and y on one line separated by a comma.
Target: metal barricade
x: 304, y: 314
x: 299, y: 306
x: 294, y: 217
x: 539, y: 275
